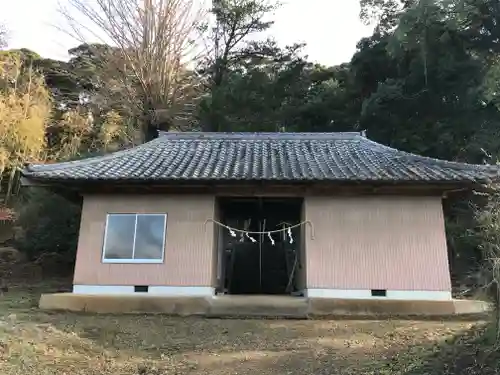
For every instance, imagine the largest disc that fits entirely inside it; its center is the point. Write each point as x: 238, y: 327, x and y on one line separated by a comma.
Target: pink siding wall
x: 394, y: 243
x: 379, y: 242
x: 188, y: 250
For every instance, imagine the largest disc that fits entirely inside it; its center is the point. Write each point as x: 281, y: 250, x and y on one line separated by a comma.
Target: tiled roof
x: 198, y: 157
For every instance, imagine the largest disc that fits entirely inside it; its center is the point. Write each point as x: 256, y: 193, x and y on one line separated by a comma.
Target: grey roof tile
x: 265, y: 157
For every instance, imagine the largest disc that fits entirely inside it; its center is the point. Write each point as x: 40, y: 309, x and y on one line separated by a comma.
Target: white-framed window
x: 134, y: 238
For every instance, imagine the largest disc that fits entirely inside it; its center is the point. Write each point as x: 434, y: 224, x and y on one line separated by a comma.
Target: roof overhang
x: 256, y: 187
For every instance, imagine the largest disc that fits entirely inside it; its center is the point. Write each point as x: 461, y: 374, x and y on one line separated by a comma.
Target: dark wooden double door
x: 261, y: 267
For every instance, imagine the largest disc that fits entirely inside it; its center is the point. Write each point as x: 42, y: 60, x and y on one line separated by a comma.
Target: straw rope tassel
x: 270, y: 238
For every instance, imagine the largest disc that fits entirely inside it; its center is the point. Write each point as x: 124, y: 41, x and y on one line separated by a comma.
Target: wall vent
x: 379, y: 293
x: 141, y: 288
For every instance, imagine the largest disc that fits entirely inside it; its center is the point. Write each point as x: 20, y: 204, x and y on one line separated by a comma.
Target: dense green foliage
x: 50, y: 225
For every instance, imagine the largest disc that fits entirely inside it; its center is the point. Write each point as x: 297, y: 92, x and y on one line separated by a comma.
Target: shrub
x: 488, y: 229
x: 49, y: 226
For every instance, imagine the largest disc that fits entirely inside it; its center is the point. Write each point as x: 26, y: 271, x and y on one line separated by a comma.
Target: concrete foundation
x: 259, y: 306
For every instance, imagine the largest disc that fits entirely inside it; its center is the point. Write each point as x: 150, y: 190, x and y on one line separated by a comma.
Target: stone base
x: 259, y: 306
x: 122, y: 304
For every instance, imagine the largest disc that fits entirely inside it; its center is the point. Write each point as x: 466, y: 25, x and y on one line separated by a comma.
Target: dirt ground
x: 36, y: 342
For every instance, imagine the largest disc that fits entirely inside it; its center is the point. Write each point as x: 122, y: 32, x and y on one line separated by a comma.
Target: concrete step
x: 266, y: 306
x: 259, y: 306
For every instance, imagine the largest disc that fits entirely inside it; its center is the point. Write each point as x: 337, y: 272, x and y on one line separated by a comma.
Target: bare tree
x: 156, y: 48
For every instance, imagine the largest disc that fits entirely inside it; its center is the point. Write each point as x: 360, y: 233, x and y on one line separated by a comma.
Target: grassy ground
x: 36, y: 342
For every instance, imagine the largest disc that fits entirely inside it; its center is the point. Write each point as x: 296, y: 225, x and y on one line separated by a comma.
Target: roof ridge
x: 261, y: 135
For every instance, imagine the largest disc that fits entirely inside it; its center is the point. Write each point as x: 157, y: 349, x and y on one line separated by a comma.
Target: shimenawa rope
x: 268, y: 232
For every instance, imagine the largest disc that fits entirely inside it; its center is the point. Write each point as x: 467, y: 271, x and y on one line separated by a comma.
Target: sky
x: 330, y: 28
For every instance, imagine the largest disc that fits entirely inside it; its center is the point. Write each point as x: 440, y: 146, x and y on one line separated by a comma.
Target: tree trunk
x: 212, y: 125
x: 214, y: 120
x: 151, y: 132
x: 496, y: 300
x: 149, y: 126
